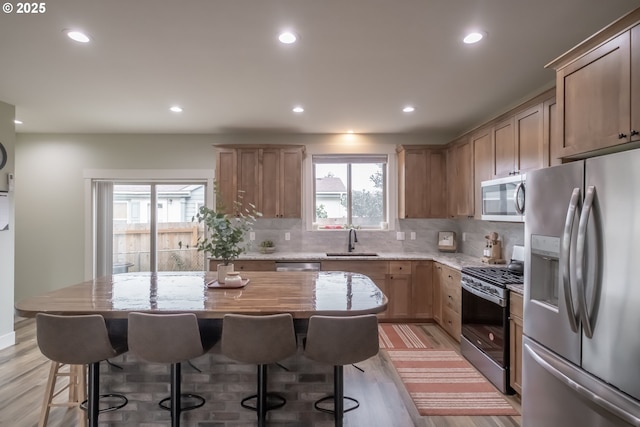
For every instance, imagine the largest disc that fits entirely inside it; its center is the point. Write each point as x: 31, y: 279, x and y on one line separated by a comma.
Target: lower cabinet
x: 447, y: 299
x: 409, y: 286
x: 515, y: 340
x: 247, y: 265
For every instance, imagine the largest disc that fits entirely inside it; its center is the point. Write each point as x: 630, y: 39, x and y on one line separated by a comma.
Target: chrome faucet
x: 355, y: 239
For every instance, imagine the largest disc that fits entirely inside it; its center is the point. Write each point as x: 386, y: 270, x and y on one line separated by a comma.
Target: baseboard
x: 7, y: 340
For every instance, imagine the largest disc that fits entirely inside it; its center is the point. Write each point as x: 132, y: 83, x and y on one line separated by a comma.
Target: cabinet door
x: 269, y: 183
x: 594, y: 98
x: 481, y: 165
x: 437, y: 293
x: 529, y: 139
x: 290, y: 197
x: 413, y: 176
x: 635, y: 84
x: 460, y: 179
x: 515, y: 342
x: 399, y: 288
x: 248, y: 178
x: 551, y: 139
x: 464, y: 177
x: 504, y: 151
x: 226, y: 180
x: 436, y: 184
x: 422, y: 289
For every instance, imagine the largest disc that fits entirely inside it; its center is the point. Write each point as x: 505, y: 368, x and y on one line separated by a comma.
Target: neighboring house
x: 330, y: 191
x: 176, y: 203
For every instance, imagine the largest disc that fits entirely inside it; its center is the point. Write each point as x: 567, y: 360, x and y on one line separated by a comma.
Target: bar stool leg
x: 81, y: 390
x: 94, y: 394
x: 338, y: 393
x: 176, y: 401
x: 261, y: 401
x: 48, y: 393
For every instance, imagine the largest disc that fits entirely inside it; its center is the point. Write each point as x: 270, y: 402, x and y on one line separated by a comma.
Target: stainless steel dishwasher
x: 297, y: 266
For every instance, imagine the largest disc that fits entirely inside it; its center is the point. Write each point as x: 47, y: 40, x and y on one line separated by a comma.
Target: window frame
x: 157, y: 176
x: 349, y: 160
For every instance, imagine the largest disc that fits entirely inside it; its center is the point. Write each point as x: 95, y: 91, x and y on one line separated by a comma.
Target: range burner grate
x: 496, y: 276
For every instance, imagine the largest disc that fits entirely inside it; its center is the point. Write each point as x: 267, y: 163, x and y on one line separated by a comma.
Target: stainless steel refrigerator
x: 581, y: 349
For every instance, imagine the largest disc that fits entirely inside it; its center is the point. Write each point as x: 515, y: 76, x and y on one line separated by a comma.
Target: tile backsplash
x: 470, y: 235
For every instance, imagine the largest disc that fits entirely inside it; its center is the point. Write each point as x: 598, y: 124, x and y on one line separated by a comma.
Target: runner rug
x: 440, y: 382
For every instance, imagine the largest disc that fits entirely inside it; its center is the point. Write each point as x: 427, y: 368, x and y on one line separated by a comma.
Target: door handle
x: 519, y: 188
x: 565, y: 253
x: 580, y: 254
x: 554, y: 367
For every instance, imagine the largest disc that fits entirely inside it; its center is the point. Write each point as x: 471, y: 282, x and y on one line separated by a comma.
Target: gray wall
x: 7, y: 238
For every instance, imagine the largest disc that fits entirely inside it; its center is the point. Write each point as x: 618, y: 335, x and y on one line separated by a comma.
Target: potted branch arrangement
x: 267, y: 247
x: 224, y: 234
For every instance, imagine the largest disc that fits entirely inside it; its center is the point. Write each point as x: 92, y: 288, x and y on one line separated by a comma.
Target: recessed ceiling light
x: 473, y: 37
x: 409, y: 109
x: 78, y: 36
x: 350, y: 131
x: 18, y: 122
x: 287, y: 37
x: 176, y: 109
x: 298, y: 109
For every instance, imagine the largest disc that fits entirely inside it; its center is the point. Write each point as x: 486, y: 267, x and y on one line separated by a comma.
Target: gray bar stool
x: 171, y: 338
x: 341, y: 341
x: 259, y: 340
x: 81, y: 340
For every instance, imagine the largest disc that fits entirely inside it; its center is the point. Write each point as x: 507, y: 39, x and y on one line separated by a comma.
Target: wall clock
x: 3, y: 156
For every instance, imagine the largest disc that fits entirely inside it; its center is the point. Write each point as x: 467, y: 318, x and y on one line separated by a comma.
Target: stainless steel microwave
x: 503, y: 199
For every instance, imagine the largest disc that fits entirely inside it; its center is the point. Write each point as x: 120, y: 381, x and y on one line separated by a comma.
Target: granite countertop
x: 455, y: 260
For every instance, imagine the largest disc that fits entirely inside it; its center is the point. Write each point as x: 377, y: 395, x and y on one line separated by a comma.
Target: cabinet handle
x: 622, y: 135
x: 634, y: 132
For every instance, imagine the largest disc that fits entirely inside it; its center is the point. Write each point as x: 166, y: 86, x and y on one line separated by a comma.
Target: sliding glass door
x: 147, y: 226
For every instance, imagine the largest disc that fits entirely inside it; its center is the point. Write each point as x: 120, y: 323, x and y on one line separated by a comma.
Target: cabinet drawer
x: 516, y: 305
x: 451, y: 323
x: 254, y: 265
x: 451, y: 294
x: 400, y: 267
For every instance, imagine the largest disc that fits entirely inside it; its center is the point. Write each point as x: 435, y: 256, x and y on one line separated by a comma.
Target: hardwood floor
x: 24, y: 370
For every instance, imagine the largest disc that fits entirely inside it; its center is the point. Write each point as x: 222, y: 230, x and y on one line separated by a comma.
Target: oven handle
x: 494, y: 299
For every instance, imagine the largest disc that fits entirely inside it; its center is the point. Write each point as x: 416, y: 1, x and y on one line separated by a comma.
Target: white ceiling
x: 357, y: 63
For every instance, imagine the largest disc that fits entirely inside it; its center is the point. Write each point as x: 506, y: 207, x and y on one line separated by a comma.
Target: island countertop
x: 302, y: 294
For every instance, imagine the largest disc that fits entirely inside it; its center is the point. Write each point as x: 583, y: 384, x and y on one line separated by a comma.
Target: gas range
x: 490, y: 281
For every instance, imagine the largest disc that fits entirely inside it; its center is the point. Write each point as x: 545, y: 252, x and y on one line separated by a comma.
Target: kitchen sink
x: 352, y: 254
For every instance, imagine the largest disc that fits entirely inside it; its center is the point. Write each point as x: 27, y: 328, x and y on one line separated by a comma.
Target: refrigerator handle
x: 519, y: 188
x: 580, y: 253
x: 565, y: 253
x: 606, y: 404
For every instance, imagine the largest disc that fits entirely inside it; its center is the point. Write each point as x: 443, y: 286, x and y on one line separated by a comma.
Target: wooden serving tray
x: 215, y: 284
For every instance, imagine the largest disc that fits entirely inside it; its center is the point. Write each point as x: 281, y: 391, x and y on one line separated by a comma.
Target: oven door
x: 485, y: 323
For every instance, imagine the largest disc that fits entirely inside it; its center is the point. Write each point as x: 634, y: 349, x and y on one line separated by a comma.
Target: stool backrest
x: 76, y: 340
x: 259, y: 340
x: 342, y: 340
x: 164, y: 338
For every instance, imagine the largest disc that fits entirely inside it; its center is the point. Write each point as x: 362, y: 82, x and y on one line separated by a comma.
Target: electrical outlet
x: 413, y: 235
x: 252, y: 235
x: 464, y: 236
x: 400, y: 235
x: 287, y: 236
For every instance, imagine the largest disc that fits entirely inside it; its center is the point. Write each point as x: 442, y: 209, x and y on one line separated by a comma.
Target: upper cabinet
x: 421, y: 182
x: 598, y: 86
x: 482, y: 146
x: 270, y: 178
x: 518, y: 143
x: 460, y: 178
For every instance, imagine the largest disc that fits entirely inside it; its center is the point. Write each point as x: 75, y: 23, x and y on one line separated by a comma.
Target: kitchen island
x: 300, y: 293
